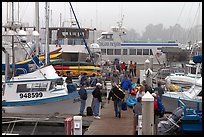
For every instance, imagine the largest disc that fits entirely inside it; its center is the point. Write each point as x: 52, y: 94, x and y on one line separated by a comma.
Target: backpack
x: 160, y: 109
x: 89, y: 111
x: 118, y: 92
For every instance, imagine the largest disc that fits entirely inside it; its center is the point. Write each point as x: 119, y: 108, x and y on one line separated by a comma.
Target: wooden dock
x: 111, y: 125
x: 107, y: 125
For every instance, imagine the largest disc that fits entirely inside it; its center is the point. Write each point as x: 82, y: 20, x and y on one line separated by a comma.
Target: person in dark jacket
x: 83, y: 96
x: 97, y: 100
x: 117, y: 95
x: 69, y: 78
x: 84, y: 79
x: 70, y: 86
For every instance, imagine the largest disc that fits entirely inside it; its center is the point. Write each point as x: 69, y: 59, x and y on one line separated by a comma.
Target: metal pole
x: 12, y: 39
x: 37, y: 26
x: 47, y: 57
x: 18, y: 13
x: 60, y: 19
x: 7, y: 16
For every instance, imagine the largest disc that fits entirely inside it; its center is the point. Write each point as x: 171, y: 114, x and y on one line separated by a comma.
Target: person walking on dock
x: 117, y: 95
x: 97, y: 100
x: 83, y: 96
x: 115, y: 78
x: 126, y: 85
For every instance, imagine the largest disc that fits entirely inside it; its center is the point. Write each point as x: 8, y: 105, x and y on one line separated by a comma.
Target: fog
x: 103, y: 15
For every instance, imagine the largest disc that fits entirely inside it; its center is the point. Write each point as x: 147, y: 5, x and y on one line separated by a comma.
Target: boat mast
x: 47, y: 56
x: 12, y: 39
x: 37, y: 26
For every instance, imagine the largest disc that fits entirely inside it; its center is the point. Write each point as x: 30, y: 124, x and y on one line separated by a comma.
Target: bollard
x: 77, y: 125
x: 147, y: 114
x: 139, y: 126
x: 108, y: 88
x: 68, y: 124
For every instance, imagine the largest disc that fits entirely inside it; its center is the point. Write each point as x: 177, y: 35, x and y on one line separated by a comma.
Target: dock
x: 42, y: 124
x: 111, y: 125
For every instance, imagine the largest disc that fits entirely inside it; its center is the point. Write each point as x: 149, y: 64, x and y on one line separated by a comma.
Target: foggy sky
x: 103, y: 15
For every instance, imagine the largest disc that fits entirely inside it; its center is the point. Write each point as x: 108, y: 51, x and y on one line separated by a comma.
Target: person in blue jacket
x: 126, y: 85
x: 83, y: 96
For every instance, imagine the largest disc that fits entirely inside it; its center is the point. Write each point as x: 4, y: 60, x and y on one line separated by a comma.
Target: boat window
x: 52, y: 85
x: 32, y: 87
x: 132, y: 51
x: 103, y: 51
x: 124, y: 51
x: 39, y: 87
x: 151, y: 53
x: 23, y: 88
x: 109, y: 51
x: 117, y: 51
x: 74, y: 34
x: 139, y: 51
x: 193, y: 70
x: 145, y: 51
x: 70, y: 42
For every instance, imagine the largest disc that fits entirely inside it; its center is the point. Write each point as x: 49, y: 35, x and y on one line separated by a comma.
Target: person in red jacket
x: 123, y: 66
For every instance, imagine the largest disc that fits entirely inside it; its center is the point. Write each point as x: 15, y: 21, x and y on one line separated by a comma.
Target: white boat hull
x: 68, y: 106
x: 171, y: 103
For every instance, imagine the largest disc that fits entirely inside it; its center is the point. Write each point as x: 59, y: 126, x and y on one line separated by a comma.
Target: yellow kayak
x: 76, y: 73
x: 85, y: 67
x: 41, y: 58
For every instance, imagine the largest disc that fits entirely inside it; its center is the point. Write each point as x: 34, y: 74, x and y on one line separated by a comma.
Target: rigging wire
x: 177, y: 20
x: 187, y: 21
x: 194, y: 21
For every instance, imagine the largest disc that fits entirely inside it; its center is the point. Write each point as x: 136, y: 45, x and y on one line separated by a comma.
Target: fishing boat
x: 41, y: 91
x: 186, y: 80
x: 73, y: 53
x: 190, y: 97
x: 38, y: 93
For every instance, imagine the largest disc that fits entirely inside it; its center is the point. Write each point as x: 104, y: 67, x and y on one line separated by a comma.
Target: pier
x: 111, y: 125
x: 54, y: 123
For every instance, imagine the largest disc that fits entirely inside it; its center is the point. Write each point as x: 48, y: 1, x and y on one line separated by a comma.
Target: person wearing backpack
x: 117, y: 95
x: 160, y: 107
